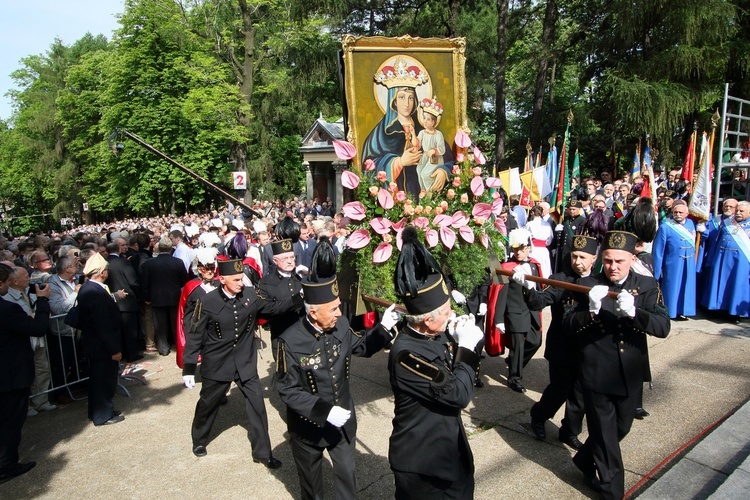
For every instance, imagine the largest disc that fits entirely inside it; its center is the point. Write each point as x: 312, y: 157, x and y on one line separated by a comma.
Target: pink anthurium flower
x: 380, y: 225
x: 497, y: 206
x: 483, y: 210
x: 442, y: 220
x: 421, y: 222
x: 382, y: 253
x: 355, y: 210
x: 479, y: 157
x: 432, y: 237
x: 459, y: 219
x: 349, y: 179
x: 494, y: 182
x: 462, y: 140
x: 399, y: 239
x: 385, y: 199
x: 358, y: 239
x: 485, y: 240
x: 467, y: 234
x: 477, y: 186
x: 500, y: 226
x: 400, y: 225
x: 448, y: 236
x: 344, y: 150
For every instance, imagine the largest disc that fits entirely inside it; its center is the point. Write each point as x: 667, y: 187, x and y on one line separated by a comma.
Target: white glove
x: 189, y: 381
x: 459, y: 297
x: 482, y: 309
x: 338, y: 416
x: 559, y: 228
x: 302, y: 270
x: 700, y: 227
x: 519, y: 276
x: 596, y: 294
x: 390, y: 317
x: 626, y: 303
x: 468, y: 334
x: 501, y: 327
x: 452, y: 325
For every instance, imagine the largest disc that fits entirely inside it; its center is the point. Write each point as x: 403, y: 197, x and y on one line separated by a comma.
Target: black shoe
x: 478, y: 383
x: 640, y: 413
x: 116, y: 419
x: 589, y: 475
x: 681, y: 317
x: 117, y: 413
x: 571, y: 441
x: 165, y: 353
x: 270, y: 462
x: 199, y: 451
x: 15, y: 471
x: 537, y: 429
x: 516, y: 386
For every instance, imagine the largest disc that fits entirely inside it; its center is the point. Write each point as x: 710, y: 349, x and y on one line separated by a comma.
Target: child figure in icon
x: 431, y: 141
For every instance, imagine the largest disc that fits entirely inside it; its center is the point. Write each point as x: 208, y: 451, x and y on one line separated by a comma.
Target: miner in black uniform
x: 611, y: 334
x: 432, y: 377
x: 221, y: 331
x: 562, y: 353
x: 566, y: 232
x: 279, y: 283
x: 312, y: 377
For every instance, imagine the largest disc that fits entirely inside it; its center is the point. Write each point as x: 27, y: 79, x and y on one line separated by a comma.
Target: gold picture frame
x: 443, y: 60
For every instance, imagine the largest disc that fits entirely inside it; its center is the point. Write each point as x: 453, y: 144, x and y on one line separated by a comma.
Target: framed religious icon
x: 406, y: 98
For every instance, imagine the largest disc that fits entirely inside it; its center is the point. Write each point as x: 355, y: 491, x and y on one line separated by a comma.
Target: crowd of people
x: 202, y: 284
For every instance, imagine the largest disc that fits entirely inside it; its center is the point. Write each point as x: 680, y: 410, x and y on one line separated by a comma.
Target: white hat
x: 95, y: 265
x: 191, y: 230
x: 209, y: 239
x: 238, y: 224
x: 519, y: 238
x: 204, y: 255
x: 259, y: 226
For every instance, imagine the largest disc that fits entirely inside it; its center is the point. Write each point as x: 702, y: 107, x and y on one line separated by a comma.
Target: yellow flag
x: 527, y: 178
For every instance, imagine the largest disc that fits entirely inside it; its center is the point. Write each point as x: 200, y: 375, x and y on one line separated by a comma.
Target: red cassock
x: 494, y: 340
x: 180, y: 340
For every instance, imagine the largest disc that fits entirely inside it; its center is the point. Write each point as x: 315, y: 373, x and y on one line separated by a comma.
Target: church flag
x: 689, y: 163
x: 699, y: 204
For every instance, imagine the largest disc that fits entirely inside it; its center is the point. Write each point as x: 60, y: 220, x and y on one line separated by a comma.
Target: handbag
x: 72, y: 318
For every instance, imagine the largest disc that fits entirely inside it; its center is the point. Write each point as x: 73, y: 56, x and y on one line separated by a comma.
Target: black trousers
x: 609, y: 420
x: 130, y: 332
x: 212, y: 393
x: 13, y: 407
x: 309, y: 459
x: 411, y: 486
x: 165, y: 324
x: 103, y: 375
x: 523, y: 346
x: 564, y: 387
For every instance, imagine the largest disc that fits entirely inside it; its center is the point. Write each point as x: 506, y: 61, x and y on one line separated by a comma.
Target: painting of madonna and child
x: 406, y: 99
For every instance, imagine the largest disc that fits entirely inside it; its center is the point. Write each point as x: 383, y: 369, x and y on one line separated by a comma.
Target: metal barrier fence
x: 64, y: 361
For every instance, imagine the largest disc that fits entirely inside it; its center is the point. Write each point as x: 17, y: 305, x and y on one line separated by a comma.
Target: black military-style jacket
x: 221, y: 331
x: 559, y: 347
x: 312, y: 376
x: 613, y: 347
x: 275, y: 286
x: 433, y: 380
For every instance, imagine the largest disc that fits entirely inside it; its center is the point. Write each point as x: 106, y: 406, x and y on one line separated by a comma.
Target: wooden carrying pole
x: 536, y: 279
x: 556, y: 283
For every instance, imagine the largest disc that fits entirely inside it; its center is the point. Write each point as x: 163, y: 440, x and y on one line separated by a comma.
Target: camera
x: 38, y: 282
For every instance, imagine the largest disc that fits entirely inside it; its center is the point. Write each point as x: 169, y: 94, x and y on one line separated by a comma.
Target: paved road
x: 701, y: 372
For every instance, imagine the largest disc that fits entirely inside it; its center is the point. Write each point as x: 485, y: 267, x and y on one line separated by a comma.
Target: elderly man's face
x: 679, y: 213
x: 326, y: 315
x: 285, y: 261
x: 43, y: 263
x: 743, y: 211
x: 439, y: 323
x: 729, y: 208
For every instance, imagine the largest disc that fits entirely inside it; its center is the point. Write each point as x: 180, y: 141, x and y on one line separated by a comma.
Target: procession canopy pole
x: 556, y: 283
x: 382, y: 302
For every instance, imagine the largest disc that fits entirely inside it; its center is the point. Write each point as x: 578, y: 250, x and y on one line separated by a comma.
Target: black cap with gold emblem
x: 586, y: 244
x: 282, y: 246
x: 418, y: 278
x: 322, y: 292
x: 230, y: 267
x: 619, y: 240
x: 573, y: 203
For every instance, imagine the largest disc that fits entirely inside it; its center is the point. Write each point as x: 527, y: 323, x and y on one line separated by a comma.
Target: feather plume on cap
x: 206, y: 255
x: 287, y: 228
x: 519, y: 238
x: 209, y: 239
x: 596, y: 226
x: 323, y: 265
x: 415, y: 264
x: 641, y: 220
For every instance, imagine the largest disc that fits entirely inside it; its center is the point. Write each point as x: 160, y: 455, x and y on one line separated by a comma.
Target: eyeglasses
x: 42, y: 260
x: 76, y: 254
x: 285, y: 259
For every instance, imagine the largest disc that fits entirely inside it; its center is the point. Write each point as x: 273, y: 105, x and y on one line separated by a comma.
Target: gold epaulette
x: 197, y: 312
x: 281, y: 358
